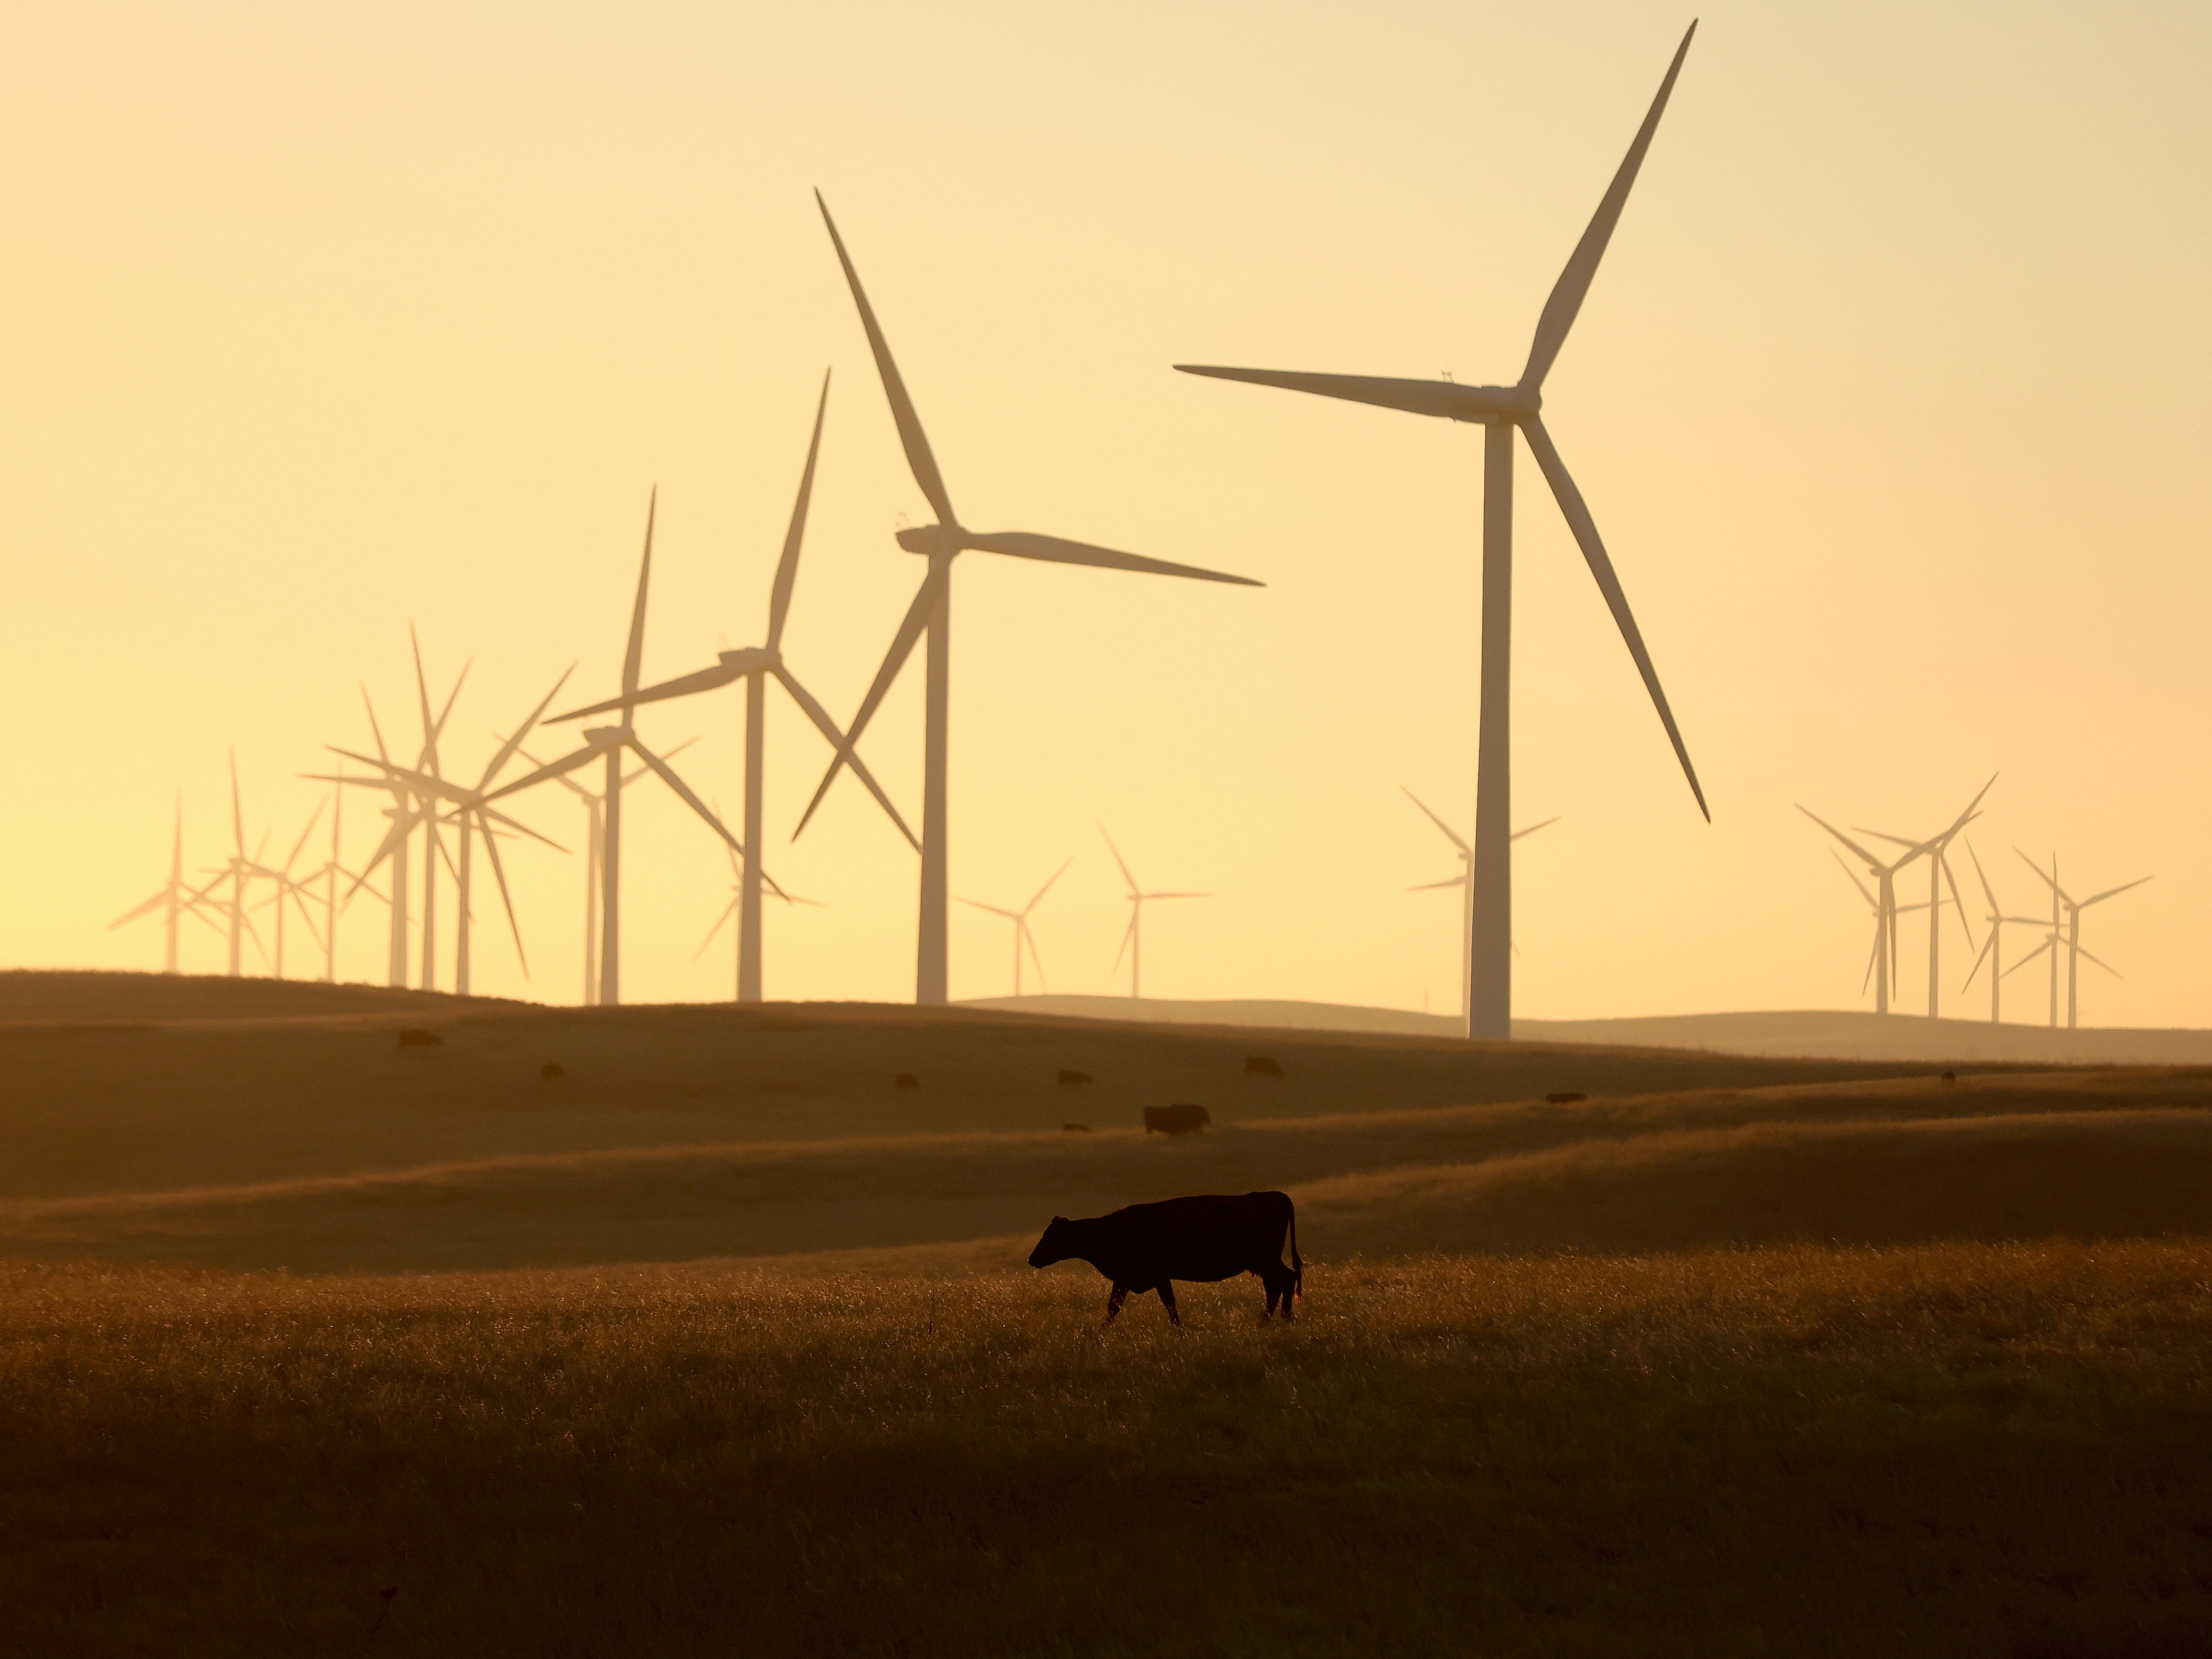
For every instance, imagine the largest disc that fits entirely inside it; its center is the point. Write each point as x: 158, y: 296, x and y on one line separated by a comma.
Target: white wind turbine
x: 296, y: 890
x: 408, y: 810
x: 1937, y: 849
x: 240, y: 870
x: 1464, y: 881
x: 175, y: 898
x: 1133, y: 939
x: 755, y: 666
x: 1885, y: 902
x: 1992, y: 949
x: 1884, y: 923
x: 2070, y: 936
x: 608, y: 742
x: 1501, y: 410
x: 1021, y: 920
x: 932, y: 611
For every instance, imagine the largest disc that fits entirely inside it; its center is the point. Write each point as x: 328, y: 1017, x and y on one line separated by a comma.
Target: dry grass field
x: 720, y: 1342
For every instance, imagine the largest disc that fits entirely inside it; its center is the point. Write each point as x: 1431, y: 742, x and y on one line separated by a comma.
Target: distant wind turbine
x: 1936, y: 848
x: 1884, y: 923
x: 238, y: 870
x: 609, y: 741
x: 296, y: 890
x: 1885, y: 902
x: 2071, y: 937
x: 1501, y: 410
x: 1992, y: 949
x: 1133, y: 940
x: 1464, y: 881
x: 932, y: 610
x: 755, y: 666
x: 1021, y: 920
x: 175, y: 898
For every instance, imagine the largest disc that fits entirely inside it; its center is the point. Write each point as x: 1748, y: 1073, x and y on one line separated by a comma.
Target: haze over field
x: 1885, y: 398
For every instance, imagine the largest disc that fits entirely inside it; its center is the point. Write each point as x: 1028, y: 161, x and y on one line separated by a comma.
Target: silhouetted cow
x: 1176, y: 1120
x: 420, y: 1040
x: 1146, y: 1247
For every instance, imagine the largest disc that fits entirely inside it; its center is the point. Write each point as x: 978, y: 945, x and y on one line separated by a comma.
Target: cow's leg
x: 1114, y: 1302
x: 1167, y: 1296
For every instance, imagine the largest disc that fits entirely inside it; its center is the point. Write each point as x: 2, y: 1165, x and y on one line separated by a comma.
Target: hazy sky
x: 1888, y: 400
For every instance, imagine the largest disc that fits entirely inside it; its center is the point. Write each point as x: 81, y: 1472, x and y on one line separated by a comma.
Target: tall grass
x: 1949, y: 1448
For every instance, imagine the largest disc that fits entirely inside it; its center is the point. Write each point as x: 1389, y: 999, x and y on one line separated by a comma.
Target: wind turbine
x: 609, y: 741
x: 297, y: 892
x: 1501, y: 410
x: 756, y: 665
x: 1992, y: 948
x: 175, y: 898
x: 1021, y: 920
x: 2072, y: 936
x: 932, y: 610
x: 408, y: 810
x: 594, y: 845
x: 1464, y: 881
x: 736, y: 908
x: 240, y: 870
x: 1885, y: 902
x: 473, y: 816
x: 1133, y: 940
x: 1939, y: 867
x: 1884, y: 924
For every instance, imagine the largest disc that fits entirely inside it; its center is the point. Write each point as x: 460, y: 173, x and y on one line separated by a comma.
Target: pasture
x: 309, y: 1344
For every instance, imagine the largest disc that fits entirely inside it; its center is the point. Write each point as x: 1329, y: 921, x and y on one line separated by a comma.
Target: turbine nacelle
x: 928, y: 539
x: 753, y: 659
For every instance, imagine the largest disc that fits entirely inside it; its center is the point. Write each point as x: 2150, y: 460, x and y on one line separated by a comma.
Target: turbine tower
x: 755, y: 666
x: 1501, y: 410
x: 736, y: 908
x: 173, y: 898
x: 1021, y: 920
x: 932, y: 610
x: 2071, y: 937
x: 240, y: 870
x: 1939, y: 870
x: 1464, y: 881
x: 1133, y: 939
x: 1992, y: 948
x: 610, y: 742
x: 1885, y: 929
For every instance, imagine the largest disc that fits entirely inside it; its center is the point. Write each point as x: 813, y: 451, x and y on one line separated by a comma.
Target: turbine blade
x: 1036, y: 961
x: 1872, y: 955
x: 1854, y: 876
x: 684, y: 792
x: 786, y: 569
x: 911, y: 439
x: 567, y: 763
x: 507, y: 749
x: 1150, y: 896
x: 237, y: 812
x: 1952, y: 881
x: 148, y: 908
x: 1043, y: 890
x: 1118, y: 860
x: 1585, y: 532
x: 2100, y: 961
x: 422, y: 695
x: 1450, y: 834
x: 1988, y: 944
x: 978, y: 904
x: 1839, y: 834
x: 2049, y: 881
x: 373, y: 727
x: 2110, y: 892
x: 2025, y: 960
x: 728, y: 910
x: 634, y: 656
x: 1988, y: 891
x: 1430, y: 886
x: 1444, y: 399
x: 1127, y: 934
x: 300, y: 845
x: 707, y: 680
x: 1055, y: 549
x: 506, y: 898
x: 1567, y: 293
x: 917, y: 617
x: 1518, y: 834
x: 828, y: 728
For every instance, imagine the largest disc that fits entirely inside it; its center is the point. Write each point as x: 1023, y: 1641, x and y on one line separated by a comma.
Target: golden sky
x: 1887, y: 400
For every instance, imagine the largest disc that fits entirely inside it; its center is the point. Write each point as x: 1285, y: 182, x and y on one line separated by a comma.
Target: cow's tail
x: 1297, y: 1263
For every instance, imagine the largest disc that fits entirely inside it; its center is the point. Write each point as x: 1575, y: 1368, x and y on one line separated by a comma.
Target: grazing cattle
x: 1146, y: 1247
x: 1567, y: 1098
x: 1176, y: 1120
x: 906, y: 1080
x: 1262, y: 1066
x: 420, y: 1040
x: 1073, y: 1079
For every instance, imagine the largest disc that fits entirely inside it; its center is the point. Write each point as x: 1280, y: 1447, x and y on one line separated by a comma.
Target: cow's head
x: 1053, y: 1247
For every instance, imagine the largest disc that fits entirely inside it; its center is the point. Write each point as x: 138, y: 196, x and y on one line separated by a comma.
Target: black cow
x: 1146, y: 1247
